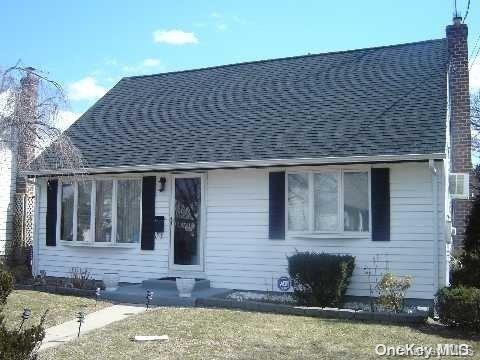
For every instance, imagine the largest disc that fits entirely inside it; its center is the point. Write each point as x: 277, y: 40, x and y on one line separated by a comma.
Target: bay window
x: 328, y: 201
x: 100, y: 211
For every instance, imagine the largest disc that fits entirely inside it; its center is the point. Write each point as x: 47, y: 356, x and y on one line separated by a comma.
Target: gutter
x: 434, y: 170
x: 241, y: 164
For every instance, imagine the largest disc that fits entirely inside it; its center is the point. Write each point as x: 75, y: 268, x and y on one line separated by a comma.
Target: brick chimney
x: 459, y: 101
x: 26, y: 108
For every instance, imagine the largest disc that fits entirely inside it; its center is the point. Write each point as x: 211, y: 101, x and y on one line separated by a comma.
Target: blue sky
x: 89, y: 45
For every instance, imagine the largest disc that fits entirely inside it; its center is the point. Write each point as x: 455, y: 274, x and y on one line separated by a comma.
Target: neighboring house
x: 343, y: 152
x: 7, y: 196
x: 12, y: 185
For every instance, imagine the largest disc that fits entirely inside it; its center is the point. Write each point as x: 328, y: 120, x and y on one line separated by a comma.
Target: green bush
x: 392, y: 290
x: 320, y: 279
x: 20, y: 345
x: 17, y: 344
x: 467, y: 273
x: 459, y: 307
x: 6, y: 286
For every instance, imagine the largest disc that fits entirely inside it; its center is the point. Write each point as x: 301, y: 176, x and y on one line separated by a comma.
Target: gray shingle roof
x: 378, y: 101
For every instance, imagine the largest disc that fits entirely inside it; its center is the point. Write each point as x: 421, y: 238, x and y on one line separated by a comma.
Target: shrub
x: 6, y: 286
x: 17, y: 344
x: 80, y: 278
x: 392, y: 290
x: 467, y: 274
x: 20, y: 345
x: 320, y: 279
x: 459, y: 307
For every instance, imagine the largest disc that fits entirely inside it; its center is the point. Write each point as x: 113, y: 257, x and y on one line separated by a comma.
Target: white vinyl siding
x: 238, y: 253
x: 7, y: 184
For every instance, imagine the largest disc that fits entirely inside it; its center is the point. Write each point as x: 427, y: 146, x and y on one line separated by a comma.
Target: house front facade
x: 221, y: 173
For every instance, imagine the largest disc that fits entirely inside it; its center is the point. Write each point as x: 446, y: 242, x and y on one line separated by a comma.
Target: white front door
x: 187, y: 217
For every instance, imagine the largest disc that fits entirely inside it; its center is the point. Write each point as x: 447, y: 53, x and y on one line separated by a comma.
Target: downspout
x: 431, y: 165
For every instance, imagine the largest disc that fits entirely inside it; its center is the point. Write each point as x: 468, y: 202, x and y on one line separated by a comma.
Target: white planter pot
x: 185, y: 287
x: 111, y: 281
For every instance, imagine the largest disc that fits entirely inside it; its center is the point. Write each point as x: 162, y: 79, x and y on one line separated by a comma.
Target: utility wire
x: 474, y: 58
x: 475, y: 52
x: 466, y: 12
x: 475, y: 46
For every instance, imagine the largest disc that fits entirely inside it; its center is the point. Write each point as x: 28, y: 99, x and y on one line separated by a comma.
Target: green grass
x: 61, y: 307
x: 219, y: 334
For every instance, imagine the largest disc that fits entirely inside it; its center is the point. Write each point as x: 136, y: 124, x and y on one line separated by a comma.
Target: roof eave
x: 240, y: 164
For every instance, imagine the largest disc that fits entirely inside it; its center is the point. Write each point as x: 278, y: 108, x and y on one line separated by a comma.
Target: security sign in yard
x: 284, y: 283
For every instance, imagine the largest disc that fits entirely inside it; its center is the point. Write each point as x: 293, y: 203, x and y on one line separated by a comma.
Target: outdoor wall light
x: 25, y: 315
x: 162, y: 180
x: 149, y: 297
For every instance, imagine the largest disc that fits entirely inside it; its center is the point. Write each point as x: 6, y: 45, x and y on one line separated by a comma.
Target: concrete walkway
x: 68, y: 331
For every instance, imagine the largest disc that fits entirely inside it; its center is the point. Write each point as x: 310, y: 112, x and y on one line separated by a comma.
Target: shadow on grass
x: 447, y: 332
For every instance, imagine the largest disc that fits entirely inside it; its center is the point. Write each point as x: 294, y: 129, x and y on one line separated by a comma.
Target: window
x: 329, y: 201
x: 129, y: 195
x: 66, y: 223
x: 84, y: 210
x: 101, y: 211
x: 355, y: 200
x: 325, y: 201
x: 298, y: 202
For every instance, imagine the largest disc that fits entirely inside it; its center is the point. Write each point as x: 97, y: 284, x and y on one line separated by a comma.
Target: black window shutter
x: 276, y: 205
x: 52, y: 188
x: 148, y: 212
x: 380, y: 204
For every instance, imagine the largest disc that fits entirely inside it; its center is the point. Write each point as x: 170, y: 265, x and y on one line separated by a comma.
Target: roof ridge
x: 283, y: 58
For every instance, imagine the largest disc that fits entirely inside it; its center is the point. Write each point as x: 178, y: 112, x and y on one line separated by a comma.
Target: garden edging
x: 57, y: 290
x: 330, y: 313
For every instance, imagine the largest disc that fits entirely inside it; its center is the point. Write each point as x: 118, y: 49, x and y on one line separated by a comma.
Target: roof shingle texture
x: 378, y: 101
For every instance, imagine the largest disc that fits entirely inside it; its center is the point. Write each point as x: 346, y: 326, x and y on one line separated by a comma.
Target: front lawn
x: 61, y: 307
x: 197, y: 333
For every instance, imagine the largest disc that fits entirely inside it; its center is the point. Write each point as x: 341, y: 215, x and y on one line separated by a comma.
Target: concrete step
x: 170, y: 284
x: 136, y: 294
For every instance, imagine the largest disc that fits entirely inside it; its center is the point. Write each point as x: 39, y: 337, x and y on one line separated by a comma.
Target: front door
x: 187, y: 219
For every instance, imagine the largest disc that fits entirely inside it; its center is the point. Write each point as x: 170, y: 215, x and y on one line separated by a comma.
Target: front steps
x: 164, y: 292
x: 170, y: 284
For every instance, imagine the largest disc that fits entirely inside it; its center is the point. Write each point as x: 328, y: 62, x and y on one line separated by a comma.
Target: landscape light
x: 81, y: 320
x: 25, y: 315
x: 149, y: 298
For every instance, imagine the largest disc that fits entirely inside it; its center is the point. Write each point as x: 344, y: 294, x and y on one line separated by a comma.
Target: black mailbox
x: 159, y: 224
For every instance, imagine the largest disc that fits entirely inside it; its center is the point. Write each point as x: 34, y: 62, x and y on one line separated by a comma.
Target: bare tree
x: 30, y: 105
x: 29, y: 115
x: 475, y: 118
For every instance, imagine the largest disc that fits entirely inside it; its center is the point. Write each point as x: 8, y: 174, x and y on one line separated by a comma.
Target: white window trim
x: 340, y: 232
x: 91, y: 241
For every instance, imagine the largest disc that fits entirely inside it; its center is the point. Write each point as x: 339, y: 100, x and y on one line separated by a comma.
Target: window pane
x: 325, y: 203
x: 297, y: 202
x: 103, y: 211
x: 356, y: 201
x: 66, y: 224
x: 83, y: 211
x: 129, y: 193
